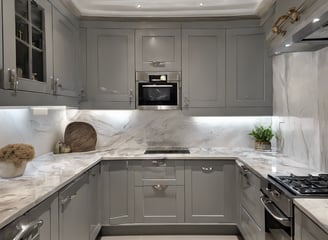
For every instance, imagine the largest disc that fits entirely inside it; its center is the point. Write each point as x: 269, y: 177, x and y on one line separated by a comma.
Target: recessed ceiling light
x: 139, y: 6
x: 201, y: 4
x: 315, y: 20
x: 288, y: 44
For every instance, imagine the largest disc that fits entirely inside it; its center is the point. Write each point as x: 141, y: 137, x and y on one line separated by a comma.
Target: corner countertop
x: 47, y: 174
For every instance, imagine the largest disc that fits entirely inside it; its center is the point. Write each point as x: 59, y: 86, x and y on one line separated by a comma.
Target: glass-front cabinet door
x: 27, y: 39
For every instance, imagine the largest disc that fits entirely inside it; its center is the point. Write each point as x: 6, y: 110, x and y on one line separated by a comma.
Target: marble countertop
x: 316, y: 209
x: 47, y: 174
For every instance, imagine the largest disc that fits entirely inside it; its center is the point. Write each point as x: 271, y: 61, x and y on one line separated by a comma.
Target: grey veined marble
x: 301, y: 106
x: 133, y: 129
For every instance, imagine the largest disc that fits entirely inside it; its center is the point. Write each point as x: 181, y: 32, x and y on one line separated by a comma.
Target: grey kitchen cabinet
x: 251, y: 212
x: 159, y: 191
x: 203, y: 68
x: 95, y: 195
x: 27, y: 45
x: 110, y: 68
x: 73, y: 210
x: 249, y: 75
x: 169, y: 172
x: 209, y: 191
x: 65, y: 56
x: 118, y: 192
x: 158, y: 50
x: 306, y: 229
x: 159, y: 203
x: 46, y: 212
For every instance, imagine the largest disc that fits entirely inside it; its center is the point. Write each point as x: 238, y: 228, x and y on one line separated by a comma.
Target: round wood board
x: 80, y: 136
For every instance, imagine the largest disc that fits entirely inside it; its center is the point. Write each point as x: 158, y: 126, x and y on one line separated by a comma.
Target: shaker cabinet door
x: 158, y: 50
x: 209, y: 191
x: 249, y: 78
x: 203, y: 67
x: 110, y: 64
x: 66, y: 56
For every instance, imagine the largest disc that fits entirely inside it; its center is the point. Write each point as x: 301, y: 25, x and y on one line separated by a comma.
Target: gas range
x: 307, y: 186
x: 277, y: 199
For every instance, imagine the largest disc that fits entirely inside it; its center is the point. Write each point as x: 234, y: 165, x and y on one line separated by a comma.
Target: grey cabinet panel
x: 208, y: 191
x: 73, y: 216
x: 250, y: 197
x: 249, y: 229
x: 168, y: 172
x: 94, y: 201
x: 159, y: 204
x: 119, y: 192
x: 249, y: 76
x: 306, y: 229
x: 158, y: 50
x: 9, y: 49
x: 203, y: 67
x: 66, y: 56
x: 111, y: 66
x: 47, y: 211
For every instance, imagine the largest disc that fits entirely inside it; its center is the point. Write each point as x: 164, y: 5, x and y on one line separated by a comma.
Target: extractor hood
x: 314, y: 34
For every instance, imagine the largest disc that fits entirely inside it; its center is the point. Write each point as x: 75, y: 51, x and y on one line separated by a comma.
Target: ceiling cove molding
x: 168, y: 8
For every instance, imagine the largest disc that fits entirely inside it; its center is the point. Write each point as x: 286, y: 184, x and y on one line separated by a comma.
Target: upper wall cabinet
x: 158, y: 50
x: 203, y: 68
x: 66, y: 56
x: 110, y: 68
x: 27, y: 45
x: 249, y: 72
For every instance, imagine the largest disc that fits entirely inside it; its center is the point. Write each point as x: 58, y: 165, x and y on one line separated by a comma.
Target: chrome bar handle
x: 13, y: 79
x: 67, y: 199
x: 207, y: 169
x: 282, y: 219
x: 159, y: 187
x: 158, y: 64
x: 130, y: 95
x: 26, y: 229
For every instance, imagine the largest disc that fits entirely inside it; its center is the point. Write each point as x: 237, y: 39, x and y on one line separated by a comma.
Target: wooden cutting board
x: 80, y: 136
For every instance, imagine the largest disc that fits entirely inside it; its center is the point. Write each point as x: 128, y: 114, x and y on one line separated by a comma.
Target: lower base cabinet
x: 73, y: 210
x: 306, y: 229
x: 159, y: 204
x: 209, y: 195
x: 249, y: 228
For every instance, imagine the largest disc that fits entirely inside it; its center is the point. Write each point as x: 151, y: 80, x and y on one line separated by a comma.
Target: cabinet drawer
x: 250, y: 197
x: 248, y: 227
x: 159, y: 204
x: 167, y: 172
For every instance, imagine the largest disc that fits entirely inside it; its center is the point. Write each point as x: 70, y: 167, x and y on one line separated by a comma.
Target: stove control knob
x: 275, y: 194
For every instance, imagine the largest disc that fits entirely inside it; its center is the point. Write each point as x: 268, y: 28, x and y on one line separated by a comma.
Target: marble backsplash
x: 134, y: 129
x: 41, y: 130
x: 300, y: 106
x: 127, y: 129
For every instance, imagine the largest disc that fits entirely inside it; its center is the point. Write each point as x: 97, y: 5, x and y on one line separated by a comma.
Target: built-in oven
x: 158, y: 90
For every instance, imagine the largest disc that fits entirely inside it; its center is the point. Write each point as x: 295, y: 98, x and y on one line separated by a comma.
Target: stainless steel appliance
x: 278, y: 194
x: 158, y: 90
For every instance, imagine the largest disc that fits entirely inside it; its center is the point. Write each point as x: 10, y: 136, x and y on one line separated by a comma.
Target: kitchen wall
x: 300, y: 106
x: 41, y: 128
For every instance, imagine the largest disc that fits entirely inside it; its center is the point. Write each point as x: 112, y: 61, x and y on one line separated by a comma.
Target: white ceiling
x: 168, y: 8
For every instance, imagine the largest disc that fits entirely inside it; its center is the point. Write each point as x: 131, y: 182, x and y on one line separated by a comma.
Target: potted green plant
x: 262, y: 136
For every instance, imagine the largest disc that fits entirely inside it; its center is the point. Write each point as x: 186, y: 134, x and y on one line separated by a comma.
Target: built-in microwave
x: 158, y: 90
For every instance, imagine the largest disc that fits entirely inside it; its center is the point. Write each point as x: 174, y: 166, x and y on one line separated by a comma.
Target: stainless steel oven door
x: 277, y: 225
x: 158, y: 95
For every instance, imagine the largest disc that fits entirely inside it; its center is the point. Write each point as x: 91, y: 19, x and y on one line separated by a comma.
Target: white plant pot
x: 9, y: 170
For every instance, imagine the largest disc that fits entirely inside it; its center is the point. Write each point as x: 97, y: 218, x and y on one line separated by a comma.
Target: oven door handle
x: 157, y: 86
x: 272, y: 210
